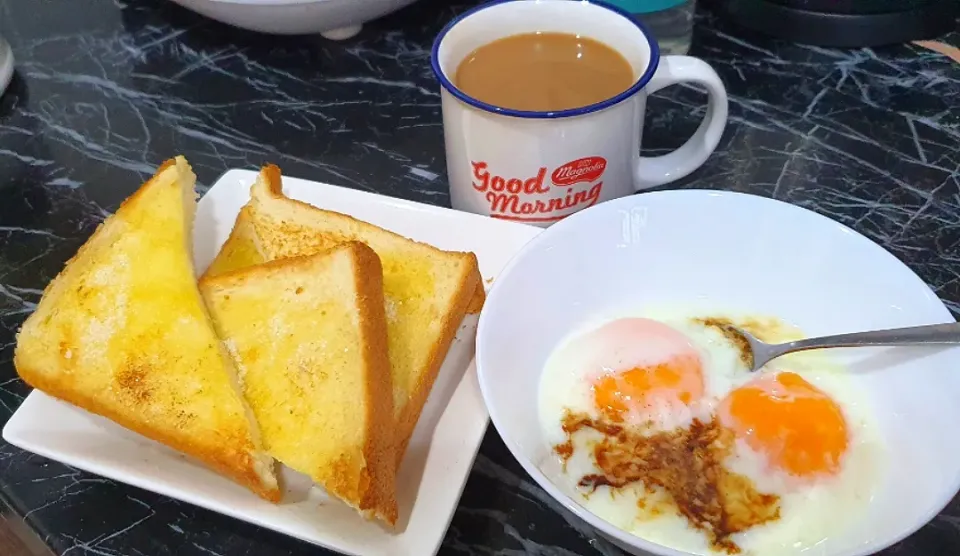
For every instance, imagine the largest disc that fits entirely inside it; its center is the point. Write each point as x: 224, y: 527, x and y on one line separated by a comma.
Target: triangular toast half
x: 242, y: 249
x: 309, y: 337
x: 428, y: 291
x: 123, y: 332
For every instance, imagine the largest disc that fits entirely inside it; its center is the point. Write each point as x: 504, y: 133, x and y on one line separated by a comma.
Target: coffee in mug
x: 544, y: 72
x: 532, y: 134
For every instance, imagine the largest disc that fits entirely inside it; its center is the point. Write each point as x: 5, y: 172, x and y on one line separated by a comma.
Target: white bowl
x: 6, y: 65
x: 334, y: 19
x: 745, y: 253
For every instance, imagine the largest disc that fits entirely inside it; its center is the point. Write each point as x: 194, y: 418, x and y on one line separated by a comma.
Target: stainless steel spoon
x: 760, y: 353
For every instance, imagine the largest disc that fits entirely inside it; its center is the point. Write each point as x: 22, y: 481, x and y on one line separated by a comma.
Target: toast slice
x: 123, y: 332
x: 309, y: 338
x: 427, y: 290
x: 242, y: 249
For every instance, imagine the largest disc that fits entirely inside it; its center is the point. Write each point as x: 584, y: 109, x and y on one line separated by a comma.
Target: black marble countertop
x: 107, y: 89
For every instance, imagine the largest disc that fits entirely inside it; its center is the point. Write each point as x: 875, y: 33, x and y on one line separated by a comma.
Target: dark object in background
x: 844, y: 23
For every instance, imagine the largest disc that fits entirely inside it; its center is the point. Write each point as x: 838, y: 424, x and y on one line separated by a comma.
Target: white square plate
x: 443, y: 446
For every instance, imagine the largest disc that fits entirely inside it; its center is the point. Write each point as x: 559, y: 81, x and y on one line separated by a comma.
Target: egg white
x: 811, y: 511
x: 566, y: 381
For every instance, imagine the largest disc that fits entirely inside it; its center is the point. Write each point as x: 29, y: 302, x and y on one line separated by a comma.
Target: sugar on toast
x: 427, y: 290
x: 123, y: 332
x: 242, y: 249
x: 309, y: 338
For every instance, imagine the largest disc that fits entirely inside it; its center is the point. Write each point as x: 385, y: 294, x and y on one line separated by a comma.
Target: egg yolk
x: 642, y: 389
x: 649, y: 367
x: 797, y: 426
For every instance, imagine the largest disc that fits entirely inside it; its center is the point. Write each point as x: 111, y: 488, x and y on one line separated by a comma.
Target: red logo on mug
x: 580, y: 170
x: 528, y: 199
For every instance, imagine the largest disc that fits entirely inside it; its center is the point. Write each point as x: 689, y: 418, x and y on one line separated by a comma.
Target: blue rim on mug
x: 590, y: 108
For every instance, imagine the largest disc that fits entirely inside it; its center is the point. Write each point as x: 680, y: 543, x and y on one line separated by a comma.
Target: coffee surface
x: 544, y: 72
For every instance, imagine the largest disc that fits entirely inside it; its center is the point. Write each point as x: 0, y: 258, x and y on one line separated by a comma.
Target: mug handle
x: 658, y: 170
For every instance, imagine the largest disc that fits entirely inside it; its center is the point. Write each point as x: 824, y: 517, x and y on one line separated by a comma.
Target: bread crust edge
x: 238, y: 466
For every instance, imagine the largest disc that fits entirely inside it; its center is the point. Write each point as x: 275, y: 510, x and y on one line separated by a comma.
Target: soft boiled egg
x: 797, y: 433
x: 797, y: 427
x: 641, y: 371
x: 804, y: 432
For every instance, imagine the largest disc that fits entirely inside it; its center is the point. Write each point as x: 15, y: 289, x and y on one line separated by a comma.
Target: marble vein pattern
x: 107, y: 89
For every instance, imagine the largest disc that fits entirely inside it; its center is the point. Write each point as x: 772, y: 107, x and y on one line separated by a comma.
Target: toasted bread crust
x: 477, y: 301
x: 230, y: 462
x: 469, y: 295
x: 465, y: 296
x: 232, y: 456
x: 241, y: 249
x: 274, y: 188
x: 371, y: 486
x: 380, y: 446
x: 133, y: 199
x: 273, y: 180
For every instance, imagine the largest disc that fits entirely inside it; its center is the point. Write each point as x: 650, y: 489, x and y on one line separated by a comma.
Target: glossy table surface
x: 107, y: 89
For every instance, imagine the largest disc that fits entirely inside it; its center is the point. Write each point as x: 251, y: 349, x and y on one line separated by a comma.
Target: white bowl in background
x: 746, y: 254
x: 6, y: 65
x: 334, y: 19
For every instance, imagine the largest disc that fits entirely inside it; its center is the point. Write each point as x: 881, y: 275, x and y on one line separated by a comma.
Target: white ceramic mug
x: 539, y: 167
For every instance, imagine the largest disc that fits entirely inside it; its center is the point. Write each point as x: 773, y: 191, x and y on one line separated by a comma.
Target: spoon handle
x: 930, y: 334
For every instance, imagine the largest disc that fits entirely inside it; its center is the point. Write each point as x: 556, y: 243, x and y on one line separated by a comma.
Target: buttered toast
x: 427, y: 290
x: 242, y: 249
x: 123, y: 332
x: 309, y: 338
